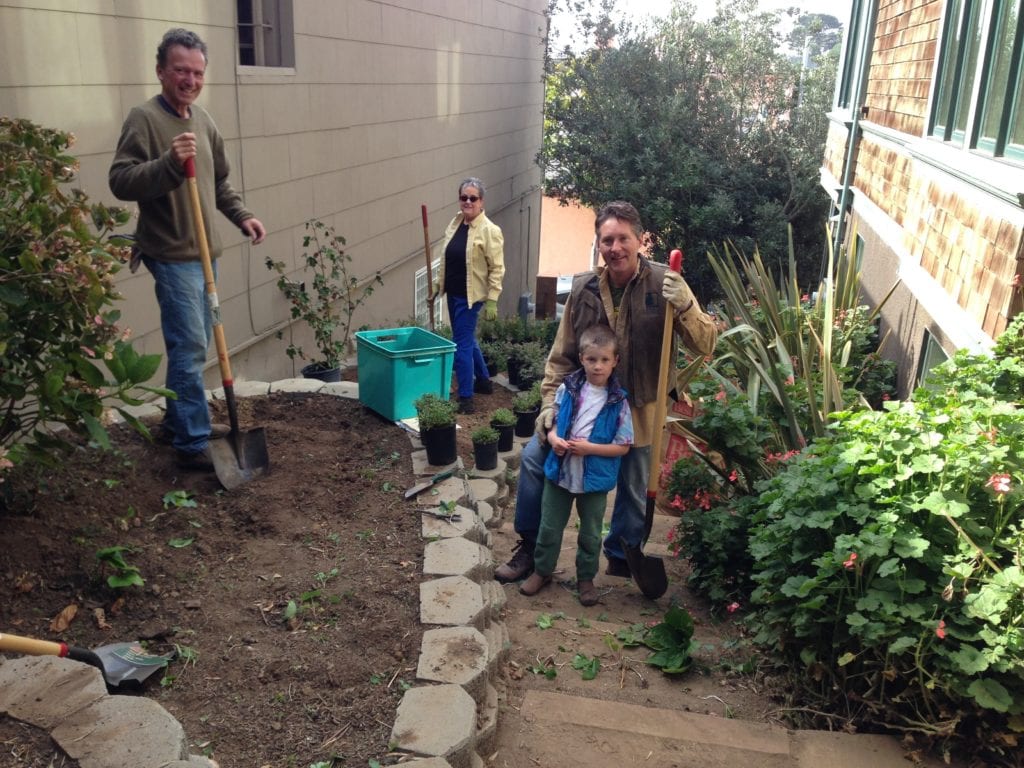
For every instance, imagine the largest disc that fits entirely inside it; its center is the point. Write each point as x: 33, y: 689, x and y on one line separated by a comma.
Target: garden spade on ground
x: 122, y: 664
x: 648, y: 570
x: 241, y: 456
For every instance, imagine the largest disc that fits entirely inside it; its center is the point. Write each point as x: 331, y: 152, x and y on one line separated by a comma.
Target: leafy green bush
x: 888, y: 562
x: 57, y: 321
x: 329, y: 303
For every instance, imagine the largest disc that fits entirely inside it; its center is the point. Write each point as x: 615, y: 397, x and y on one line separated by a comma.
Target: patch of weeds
x: 587, y: 667
x: 125, y: 575
x: 180, y: 543
x: 582, y: 623
x: 365, y: 536
x: 546, y: 620
x: 547, y: 669
x: 179, y: 499
x: 631, y: 636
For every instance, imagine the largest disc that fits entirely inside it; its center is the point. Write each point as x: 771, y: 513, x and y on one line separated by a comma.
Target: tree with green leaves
x: 63, y: 359
x: 702, y: 126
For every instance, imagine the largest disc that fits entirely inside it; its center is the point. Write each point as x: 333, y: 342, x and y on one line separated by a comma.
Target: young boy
x: 593, y: 429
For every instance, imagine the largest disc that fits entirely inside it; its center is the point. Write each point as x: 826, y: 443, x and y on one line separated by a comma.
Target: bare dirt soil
x: 328, y: 533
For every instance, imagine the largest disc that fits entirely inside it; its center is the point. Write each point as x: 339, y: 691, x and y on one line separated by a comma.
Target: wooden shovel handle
x: 660, y: 406
x: 211, y: 285
x: 430, y: 277
x: 211, y: 294
x: 30, y: 646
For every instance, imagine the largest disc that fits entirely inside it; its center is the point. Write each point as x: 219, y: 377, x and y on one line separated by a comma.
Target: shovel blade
x: 240, y: 457
x: 130, y: 663
x: 648, y: 571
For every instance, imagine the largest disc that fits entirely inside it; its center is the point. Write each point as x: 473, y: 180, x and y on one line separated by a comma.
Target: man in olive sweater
x: 156, y: 139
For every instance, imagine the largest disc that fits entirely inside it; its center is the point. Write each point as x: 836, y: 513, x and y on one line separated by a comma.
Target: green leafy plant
x: 179, y: 498
x: 333, y: 297
x: 433, y: 412
x: 503, y: 416
x: 124, y: 574
x: 672, y: 642
x: 527, y: 401
x: 58, y: 325
x: 484, y: 435
x: 587, y: 667
x: 888, y: 561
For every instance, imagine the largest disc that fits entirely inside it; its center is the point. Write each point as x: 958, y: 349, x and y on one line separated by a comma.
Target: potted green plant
x: 437, y: 428
x: 329, y: 301
x: 495, y: 352
x: 526, y: 406
x: 485, y: 447
x: 522, y: 362
x: 504, y: 421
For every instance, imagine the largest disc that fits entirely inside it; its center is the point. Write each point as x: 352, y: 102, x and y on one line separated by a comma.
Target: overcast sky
x: 636, y: 9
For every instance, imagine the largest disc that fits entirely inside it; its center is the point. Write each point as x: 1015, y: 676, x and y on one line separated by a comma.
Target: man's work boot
x: 617, y: 567
x: 519, y: 566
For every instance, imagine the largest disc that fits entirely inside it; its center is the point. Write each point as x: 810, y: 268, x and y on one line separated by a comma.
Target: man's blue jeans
x: 628, y: 512
x: 469, y: 360
x: 187, y: 327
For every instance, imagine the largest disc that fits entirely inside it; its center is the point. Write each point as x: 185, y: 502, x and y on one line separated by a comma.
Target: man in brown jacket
x: 629, y: 294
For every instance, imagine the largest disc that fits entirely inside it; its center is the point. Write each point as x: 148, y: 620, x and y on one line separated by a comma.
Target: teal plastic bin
x: 398, y: 365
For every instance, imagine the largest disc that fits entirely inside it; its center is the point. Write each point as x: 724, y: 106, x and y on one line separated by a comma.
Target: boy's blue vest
x: 599, y: 472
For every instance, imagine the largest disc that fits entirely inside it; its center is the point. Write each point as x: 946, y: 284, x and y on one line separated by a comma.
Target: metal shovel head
x: 130, y: 663
x: 648, y: 571
x: 240, y: 457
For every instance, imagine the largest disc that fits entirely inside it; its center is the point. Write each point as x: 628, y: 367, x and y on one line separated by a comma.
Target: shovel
x: 241, y: 456
x: 121, y: 664
x: 649, y: 571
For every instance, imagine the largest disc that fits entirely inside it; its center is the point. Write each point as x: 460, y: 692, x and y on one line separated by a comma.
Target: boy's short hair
x: 598, y: 336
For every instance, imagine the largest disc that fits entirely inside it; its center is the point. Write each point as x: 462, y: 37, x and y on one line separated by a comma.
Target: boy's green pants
x: 555, y: 508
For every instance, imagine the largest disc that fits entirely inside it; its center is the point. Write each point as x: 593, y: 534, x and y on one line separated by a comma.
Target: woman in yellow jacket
x: 470, y: 275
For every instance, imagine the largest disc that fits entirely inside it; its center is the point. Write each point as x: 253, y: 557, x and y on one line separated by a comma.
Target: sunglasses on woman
x: 468, y: 198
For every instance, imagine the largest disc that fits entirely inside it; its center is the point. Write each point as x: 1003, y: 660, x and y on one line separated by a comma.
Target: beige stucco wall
x: 389, y: 105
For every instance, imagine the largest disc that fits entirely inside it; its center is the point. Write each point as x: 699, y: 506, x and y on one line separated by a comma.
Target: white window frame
x: 272, y: 30
x: 419, y: 299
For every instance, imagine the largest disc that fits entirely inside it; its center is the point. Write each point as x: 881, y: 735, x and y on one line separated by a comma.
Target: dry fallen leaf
x: 101, y: 618
x: 117, y: 607
x: 63, y: 619
x: 24, y: 583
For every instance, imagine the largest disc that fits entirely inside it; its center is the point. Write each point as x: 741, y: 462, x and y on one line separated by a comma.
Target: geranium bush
x: 888, y: 560
x: 784, y: 362
x: 59, y: 338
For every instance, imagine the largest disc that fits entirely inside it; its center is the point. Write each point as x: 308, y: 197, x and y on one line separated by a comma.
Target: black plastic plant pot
x: 485, y: 455
x: 440, y: 444
x: 321, y: 373
x: 506, y: 436
x: 525, y: 421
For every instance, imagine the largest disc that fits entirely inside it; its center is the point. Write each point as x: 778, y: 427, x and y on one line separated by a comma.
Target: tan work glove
x: 675, y: 291
x: 435, y: 289
x: 545, y: 419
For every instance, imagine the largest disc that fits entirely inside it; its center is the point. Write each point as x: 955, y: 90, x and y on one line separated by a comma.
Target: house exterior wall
x: 388, y: 107
x: 942, y: 221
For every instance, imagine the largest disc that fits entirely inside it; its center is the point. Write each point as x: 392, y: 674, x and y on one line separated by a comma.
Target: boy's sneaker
x: 534, y: 584
x: 483, y: 387
x: 466, y: 405
x: 588, y: 592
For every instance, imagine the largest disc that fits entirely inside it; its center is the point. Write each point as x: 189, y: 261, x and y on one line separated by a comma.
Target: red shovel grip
x: 675, y: 260
x: 190, y: 167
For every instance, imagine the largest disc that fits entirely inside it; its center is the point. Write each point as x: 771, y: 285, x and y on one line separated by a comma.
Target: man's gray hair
x: 183, y: 37
x: 472, y: 181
